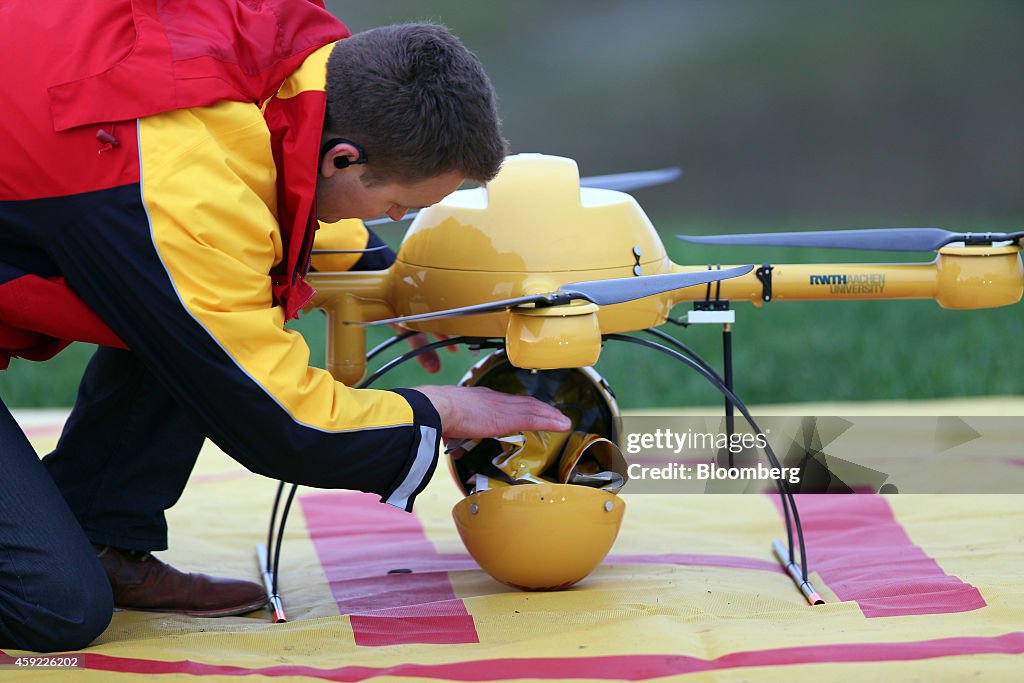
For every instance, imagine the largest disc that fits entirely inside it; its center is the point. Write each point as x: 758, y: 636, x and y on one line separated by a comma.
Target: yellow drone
x: 549, y: 266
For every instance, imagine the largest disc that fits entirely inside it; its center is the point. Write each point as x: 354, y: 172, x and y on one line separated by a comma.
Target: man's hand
x: 479, y: 412
x: 430, y: 361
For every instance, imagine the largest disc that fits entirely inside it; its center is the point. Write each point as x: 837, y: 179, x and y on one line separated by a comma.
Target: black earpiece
x: 339, y: 161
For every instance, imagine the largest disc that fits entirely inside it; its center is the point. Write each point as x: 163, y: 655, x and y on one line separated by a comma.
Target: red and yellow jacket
x: 162, y: 57
x: 158, y: 185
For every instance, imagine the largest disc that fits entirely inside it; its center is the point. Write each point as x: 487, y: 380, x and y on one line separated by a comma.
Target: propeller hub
x: 557, y: 309
x: 978, y: 277
x: 554, y: 337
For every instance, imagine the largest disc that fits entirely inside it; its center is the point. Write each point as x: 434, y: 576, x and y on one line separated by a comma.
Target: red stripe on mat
x: 863, y: 554
x: 359, y: 541
x: 613, y: 667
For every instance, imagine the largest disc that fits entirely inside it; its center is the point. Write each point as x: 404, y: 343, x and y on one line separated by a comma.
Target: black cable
x: 704, y: 364
x: 280, y: 537
x: 273, y: 520
x: 788, y: 502
x: 781, y: 485
x: 727, y: 373
x: 412, y: 353
x: 388, y: 343
x: 684, y: 348
x: 717, y: 382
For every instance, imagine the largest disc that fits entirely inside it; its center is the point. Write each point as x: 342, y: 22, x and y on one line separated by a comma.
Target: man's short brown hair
x: 417, y: 101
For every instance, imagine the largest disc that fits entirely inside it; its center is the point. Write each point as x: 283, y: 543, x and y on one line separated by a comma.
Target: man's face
x: 343, y: 194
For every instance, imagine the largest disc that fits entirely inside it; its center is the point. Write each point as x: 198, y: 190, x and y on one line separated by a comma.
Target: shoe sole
x: 223, y: 612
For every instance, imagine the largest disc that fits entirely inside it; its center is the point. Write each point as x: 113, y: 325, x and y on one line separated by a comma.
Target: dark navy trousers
x: 53, y: 592
x: 124, y: 457
x: 125, y: 454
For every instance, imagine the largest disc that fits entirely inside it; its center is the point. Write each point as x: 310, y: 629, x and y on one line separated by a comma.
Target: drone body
x: 534, y: 230
x: 531, y: 230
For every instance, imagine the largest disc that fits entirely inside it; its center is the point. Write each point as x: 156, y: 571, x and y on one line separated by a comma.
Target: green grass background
x: 783, y: 352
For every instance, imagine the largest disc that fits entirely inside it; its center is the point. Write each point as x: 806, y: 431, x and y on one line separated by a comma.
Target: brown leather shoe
x: 142, y: 582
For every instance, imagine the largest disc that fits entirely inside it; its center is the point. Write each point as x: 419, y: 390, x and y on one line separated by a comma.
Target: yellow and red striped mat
x: 918, y: 587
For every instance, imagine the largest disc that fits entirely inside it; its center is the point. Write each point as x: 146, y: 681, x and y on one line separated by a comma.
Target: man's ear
x: 339, y: 153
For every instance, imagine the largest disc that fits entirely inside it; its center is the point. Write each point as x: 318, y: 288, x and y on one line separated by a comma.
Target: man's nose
x: 395, y: 213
